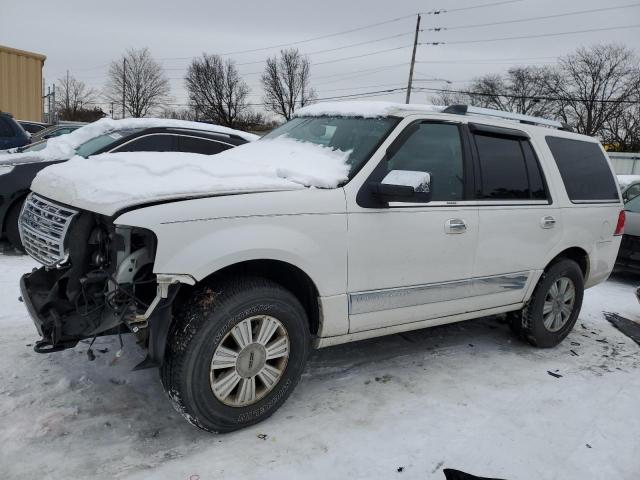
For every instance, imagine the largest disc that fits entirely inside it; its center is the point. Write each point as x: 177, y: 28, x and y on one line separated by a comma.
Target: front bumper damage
x: 62, y: 325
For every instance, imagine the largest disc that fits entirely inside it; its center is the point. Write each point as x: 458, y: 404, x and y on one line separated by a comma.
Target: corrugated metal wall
x: 21, y: 83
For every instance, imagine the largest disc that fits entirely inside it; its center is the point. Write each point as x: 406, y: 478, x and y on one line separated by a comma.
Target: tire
x: 211, y: 321
x: 11, y: 225
x: 538, y: 323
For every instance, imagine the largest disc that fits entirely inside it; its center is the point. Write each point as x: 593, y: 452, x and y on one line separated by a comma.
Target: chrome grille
x: 43, y: 226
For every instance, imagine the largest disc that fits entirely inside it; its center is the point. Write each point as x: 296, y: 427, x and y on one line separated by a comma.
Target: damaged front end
x: 97, y: 279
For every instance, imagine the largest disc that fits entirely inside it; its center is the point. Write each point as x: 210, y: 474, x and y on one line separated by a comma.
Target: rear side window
x: 200, y: 145
x: 584, y: 170
x: 6, y: 130
x: 508, y: 169
x: 149, y: 143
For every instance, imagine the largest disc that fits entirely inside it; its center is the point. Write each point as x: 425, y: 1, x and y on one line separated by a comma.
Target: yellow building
x: 21, y: 83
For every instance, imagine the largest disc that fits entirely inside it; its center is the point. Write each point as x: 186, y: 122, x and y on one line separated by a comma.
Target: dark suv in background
x: 11, y: 133
x: 18, y: 171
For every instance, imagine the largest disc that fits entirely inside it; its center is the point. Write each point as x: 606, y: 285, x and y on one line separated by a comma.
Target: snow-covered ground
x: 465, y: 396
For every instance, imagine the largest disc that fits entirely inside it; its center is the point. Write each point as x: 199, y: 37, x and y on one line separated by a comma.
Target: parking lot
x: 466, y: 396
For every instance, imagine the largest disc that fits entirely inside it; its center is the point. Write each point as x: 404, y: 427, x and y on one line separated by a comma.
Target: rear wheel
x: 235, y: 353
x: 554, y: 306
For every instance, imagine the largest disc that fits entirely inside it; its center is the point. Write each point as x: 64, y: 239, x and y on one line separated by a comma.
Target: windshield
x: 360, y: 136
x: 90, y: 147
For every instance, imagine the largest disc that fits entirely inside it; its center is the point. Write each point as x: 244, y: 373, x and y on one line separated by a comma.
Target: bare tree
x: 286, y: 83
x: 521, y: 90
x: 73, y: 97
x: 216, y: 90
x: 141, y: 78
x: 593, y: 85
x: 622, y: 132
x: 179, y: 114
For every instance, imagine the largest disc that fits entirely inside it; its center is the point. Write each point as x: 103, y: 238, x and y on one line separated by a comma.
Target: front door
x: 409, y: 261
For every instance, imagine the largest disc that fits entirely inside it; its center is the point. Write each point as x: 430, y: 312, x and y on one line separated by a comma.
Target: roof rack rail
x: 518, y: 117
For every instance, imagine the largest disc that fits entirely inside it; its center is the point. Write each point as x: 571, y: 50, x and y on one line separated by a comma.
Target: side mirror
x: 403, y: 186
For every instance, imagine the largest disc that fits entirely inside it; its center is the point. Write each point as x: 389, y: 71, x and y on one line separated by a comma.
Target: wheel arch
x: 20, y: 197
x: 286, y: 274
x: 578, y: 255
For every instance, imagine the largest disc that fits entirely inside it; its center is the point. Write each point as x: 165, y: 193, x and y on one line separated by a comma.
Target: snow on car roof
x: 64, y: 146
x: 109, y: 182
x: 626, y: 180
x: 369, y: 109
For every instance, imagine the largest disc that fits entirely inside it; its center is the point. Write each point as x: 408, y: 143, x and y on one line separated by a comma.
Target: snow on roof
x: 64, y: 146
x: 368, y: 109
x: 626, y: 180
x: 109, y: 182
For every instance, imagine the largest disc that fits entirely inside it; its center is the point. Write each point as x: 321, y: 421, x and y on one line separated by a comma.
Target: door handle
x: 455, y: 225
x: 548, y: 222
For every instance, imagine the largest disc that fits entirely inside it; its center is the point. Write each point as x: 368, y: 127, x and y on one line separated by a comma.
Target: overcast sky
x: 84, y: 36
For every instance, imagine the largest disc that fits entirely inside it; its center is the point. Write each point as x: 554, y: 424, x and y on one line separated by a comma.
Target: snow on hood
x: 109, y: 182
x: 64, y: 146
x: 369, y: 109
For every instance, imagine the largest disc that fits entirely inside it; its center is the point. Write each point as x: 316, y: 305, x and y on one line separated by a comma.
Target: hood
x: 111, y: 182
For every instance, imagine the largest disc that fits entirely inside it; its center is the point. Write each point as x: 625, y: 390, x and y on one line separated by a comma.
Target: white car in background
x: 351, y: 221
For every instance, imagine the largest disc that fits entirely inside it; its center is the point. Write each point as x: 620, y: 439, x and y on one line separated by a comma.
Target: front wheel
x: 554, y: 306
x: 235, y: 353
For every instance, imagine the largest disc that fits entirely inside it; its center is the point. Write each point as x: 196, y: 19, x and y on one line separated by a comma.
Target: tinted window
x: 6, y: 130
x: 502, y: 169
x: 149, y: 143
x: 633, y: 205
x: 631, y: 192
x: 200, y: 145
x: 32, y: 127
x: 536, y: 183
x: 584, y: 170
x: 434, y: 148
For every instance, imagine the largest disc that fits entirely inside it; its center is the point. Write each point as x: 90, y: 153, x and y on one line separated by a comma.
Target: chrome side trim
x: 387, y: 299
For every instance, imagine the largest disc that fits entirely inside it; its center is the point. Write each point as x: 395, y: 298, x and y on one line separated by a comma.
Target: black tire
x: 11, y: 225
x: 529, y: 324
x: 202, y: 323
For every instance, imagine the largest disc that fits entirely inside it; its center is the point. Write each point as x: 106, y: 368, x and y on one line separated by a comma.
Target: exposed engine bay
x: 103, y: 284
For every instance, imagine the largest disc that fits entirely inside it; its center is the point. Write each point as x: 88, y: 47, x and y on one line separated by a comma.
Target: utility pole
x: 67, y: 94
x: 53, y: 104
x: 49, y: 105
x: 124, y: 82
x: 413, y: 59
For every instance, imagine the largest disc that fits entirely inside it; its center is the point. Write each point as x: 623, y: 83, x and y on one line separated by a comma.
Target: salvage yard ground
x: 466, y: 396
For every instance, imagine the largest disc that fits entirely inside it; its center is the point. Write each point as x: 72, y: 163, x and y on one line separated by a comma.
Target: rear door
x: 518, y: 221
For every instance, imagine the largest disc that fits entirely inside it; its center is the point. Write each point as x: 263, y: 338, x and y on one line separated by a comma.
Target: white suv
x: 427, y: 216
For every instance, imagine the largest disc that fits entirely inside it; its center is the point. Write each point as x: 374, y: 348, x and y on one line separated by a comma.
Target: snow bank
x: 370, y: 109
x: 111, y: 181
x: 64, y: 146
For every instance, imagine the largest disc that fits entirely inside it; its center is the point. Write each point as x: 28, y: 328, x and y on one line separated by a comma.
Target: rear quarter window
x: 584, y: 170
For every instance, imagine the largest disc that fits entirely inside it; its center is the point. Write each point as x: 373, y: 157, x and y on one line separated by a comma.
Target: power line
x: 531, y: 19
x: 472, y: 7
x: 313, y: 39
x: 363, y: 55
x: 524, y: 97
x: 541, y: 35
x: 488, y: 60
x: 359, y: 44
